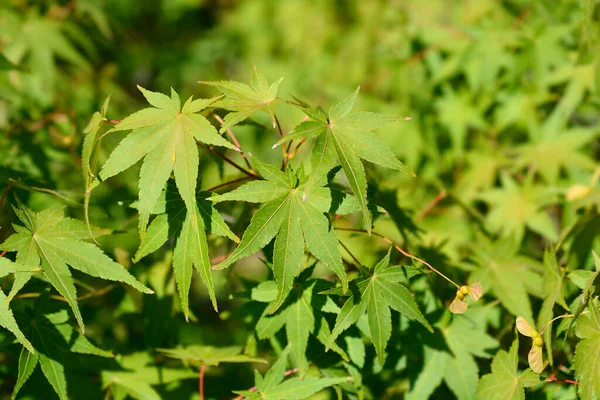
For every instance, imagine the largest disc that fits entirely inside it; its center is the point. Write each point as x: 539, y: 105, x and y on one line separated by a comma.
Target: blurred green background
x: 502, y: 96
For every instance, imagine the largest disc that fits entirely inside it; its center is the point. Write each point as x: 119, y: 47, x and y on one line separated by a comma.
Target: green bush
x: 245, y: 208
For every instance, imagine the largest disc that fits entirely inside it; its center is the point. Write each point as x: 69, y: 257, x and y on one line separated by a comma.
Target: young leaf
x: 244, y: 100
x: 289, y: 214
x: 504, y: 382
x: 587, y: 353
x: 302, y: 317
x: 375, y: 294
x: 166, y: 136
x: 348, y: 138
x: 51, y: 336
x: 52, y: 241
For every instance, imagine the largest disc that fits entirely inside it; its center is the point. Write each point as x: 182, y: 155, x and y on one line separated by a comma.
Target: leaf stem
x: 201, y: 382
x: 349, y: 252
x: 440, y: 196
x: 222, y: 185
x: 254, y: 388
x: 231, y: 162
x: 554, y: 379
x: 403, y: 252
x: 284, y: 152
x: 5, y: 193
x: 235, y: 142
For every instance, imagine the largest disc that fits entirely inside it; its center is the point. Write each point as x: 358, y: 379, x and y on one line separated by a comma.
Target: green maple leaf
x: 505, y: 382
x: 135, y: 378
x: 301, y: 314
x: 587, y: 353
x: 7, y: 319
x: 38, y: 42
x: 508, y: 275
x: 165, y: 135
x: 345, y: 138
x: 514, y: 208
x: 273, y: 387
x: 244, y: 100
x: 191, y: 246
x: 54, y: 242
x: 209, y: 355
x: 294, y: 212
x: 552, y: 153
x: 52, y: 337
x: 456, y: 363
x: 377, y: 291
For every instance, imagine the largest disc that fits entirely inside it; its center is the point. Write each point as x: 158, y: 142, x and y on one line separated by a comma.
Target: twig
x: 3, y: 253
x: 232, y: 163
x: 201, y: 382
x: 235, y: 142
x: 254, y: 388
x: 113, y: 121
x: 283, y: 150
x: 554, y: 379
x: 222, y: 185
x: 440, y: 196
x: 349, y: 252
x: 5, y: 193
x: 402, y: 251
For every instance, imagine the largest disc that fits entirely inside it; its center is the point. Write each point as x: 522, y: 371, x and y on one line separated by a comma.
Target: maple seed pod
x: 460, y: 295
x: 538, y: 341
x: 464, y: 290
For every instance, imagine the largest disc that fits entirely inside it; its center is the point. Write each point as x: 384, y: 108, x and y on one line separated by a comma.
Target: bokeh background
x: 502, y: 96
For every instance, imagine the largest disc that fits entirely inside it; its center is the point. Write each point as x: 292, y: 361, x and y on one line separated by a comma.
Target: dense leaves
x: 326, y: 265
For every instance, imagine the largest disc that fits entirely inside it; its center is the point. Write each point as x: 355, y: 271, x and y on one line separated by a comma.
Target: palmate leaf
x: 587, y: 353
x: 505, y: 382
x: 345, y: 138
x: 244, y: 100
x: 294, y: 212
x: 165, y: 135
x: 55, y: 242
x: 273, y: 387
x: 135, y: 378
x: 376, y: 294
x: 302, y: 317
x: 209, y: 355
x: 191, y: 247
x: 52, y: 337
x: 508, y: 275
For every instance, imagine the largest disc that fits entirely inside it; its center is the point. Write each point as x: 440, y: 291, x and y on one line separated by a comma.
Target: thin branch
x: 222, y: 185
x: 349, y: 252
x: 283, y: 150
x: 232, y: 163
x: 405, y: 253
x: 201, y: 382
x: 5, y: 193
x: 440, y: 196
x: 254, y: 388
x: 113, y: 121
x: 235, y: 142
x: 570, y: 381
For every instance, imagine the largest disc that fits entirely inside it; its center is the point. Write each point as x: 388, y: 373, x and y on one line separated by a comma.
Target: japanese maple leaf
x: 244, y: 100
x: 514, y: 207
x: 47, y: 324
x: 376, y: 291
x: 165, y: 135
x: 346, y: 138
x: 55, y: 242
x: 191, y: 246
x: 294, y: 212
x: 301, y: 314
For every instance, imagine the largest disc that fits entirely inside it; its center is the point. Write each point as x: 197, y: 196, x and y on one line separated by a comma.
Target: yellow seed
x: 464, y: 290
x: 538, y: 341
x: 459, y: 295
x: 535, y: 334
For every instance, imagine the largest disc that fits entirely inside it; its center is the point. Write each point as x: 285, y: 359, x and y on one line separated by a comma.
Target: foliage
x: 383, y: 222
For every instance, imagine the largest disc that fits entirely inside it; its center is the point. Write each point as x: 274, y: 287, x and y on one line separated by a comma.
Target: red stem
x: 201, y: 382
x: 553, y: 379
x: 233, y: 164
x: 235, y: 141
x: 5, y: 193
x: 222, y: 185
